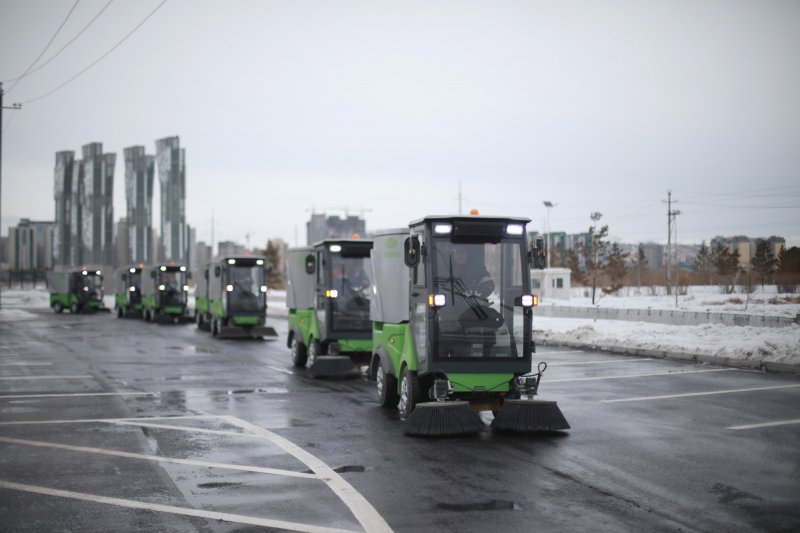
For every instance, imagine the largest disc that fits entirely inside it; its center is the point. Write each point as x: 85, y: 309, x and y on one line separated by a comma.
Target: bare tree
x: 594, y: 252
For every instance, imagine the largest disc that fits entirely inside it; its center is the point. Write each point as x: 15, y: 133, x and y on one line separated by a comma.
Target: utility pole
x: 671, y: 214
x: 13, y: 106
x: 548, y: 205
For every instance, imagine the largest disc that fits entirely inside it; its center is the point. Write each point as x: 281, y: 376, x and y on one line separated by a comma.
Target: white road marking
x: 364, y: 512
x: 690, y: 394
x: 71, y: 394
x: 211, y: 515
x: 627, y: 376
x: 12, y: 378
x: 280, y: 370
x: 767, y: 424
x: 106, y: 420
x: 557, y: 353
x: 158, y: 458
x: 25, y: 364
x: 570, y: 363
x: 133, y: 422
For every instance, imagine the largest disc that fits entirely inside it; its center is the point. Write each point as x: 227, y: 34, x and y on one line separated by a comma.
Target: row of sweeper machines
x: 231, y: 298
x: 156, y: 293
x: 328, y: 296
x: 451, y: 319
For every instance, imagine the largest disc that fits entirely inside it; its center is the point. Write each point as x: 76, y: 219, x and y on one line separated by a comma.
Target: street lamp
x: 548, y: 205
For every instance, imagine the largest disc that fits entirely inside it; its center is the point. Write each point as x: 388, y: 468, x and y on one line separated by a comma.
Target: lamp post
x: 548, y: 205
x: 14, y: 106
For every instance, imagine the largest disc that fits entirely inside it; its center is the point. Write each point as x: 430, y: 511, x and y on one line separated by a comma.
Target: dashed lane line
x: 157, y: 458
x: 691, y: 394
x: 630, y: 376
x: 198, y: 513
x: 25, y: 364
x: 73, y: 394
x: 766, y: 424
x: 13, y: 378
x: 631, y: 360
x: 105, y: 420
x: 560, y: 353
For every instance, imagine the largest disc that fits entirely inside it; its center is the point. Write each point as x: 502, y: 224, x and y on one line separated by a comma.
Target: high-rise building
x: 62, y: 251
x: 191, y: 247
x: 230, y: 248
x: 98, y: 205
x: 171, y: 161
x: 139, y: 172
x: 321, y: 227
x: 123, y: 256
x: 202, y: 255
x: 30, y: 245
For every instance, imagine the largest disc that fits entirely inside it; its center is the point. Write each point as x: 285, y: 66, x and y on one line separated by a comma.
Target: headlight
x: 186, y: 287
x: 229, y: 288
x: 161, y: 287
x: 515, y: 229
x: 442, y: 229
x: 335, y: 248
x: 132, y: 270
x: 231, y: 261
x: 437, y: 300
x: 183, y: 269
x: 163, y: 269
x: 259, y: 262
x: 331, y: 293
x: 263, y: 288
x: 86, y: 289
x: 132, y: 289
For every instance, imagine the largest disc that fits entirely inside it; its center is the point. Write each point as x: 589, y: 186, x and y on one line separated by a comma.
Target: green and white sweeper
x: 328, y: 296
x: 165, y: 292
x: 78, y: 291
x: 231, y: 298
x: 452, y: 326
x: 128, y: 292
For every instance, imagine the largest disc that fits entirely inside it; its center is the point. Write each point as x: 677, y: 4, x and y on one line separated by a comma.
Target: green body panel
x: 489, y: 382
x: 355, y: 345
x: 173, y: 310
x: 397, y: 342
x: 149, y: 301
x: 122, y: 301
x: 252, y: 320
x: 65, y: 298
x: 201, y: 304
x: 306, y: 321
x: 96, y: 304
x: 215, y: 308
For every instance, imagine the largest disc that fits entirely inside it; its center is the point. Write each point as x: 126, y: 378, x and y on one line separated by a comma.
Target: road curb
x: 750, y: 364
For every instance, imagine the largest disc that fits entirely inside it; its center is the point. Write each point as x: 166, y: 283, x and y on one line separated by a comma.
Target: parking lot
x: 109, y: 424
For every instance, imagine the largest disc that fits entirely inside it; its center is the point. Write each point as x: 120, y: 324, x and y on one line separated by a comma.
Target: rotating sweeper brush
x: 526, y: 414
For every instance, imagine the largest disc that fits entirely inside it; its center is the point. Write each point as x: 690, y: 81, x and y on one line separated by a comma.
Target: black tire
x: 74, y: 309
x: 299, y: 353
x: 58, y: 307
x: 387, y: 388
x: 120, y: 312
x: 313, y: 351
x: 409, y: 393
x: 214, y: 328
x: 198, y: 318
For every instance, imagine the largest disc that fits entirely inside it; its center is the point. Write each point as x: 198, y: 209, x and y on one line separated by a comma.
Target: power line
x: 45, y: 48
x: 96, y: 61
x: 52, y: 57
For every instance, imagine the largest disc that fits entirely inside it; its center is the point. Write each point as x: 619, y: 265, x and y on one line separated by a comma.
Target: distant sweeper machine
x: 231, y: 298
x: 165, y: 293
x: 128, y: 293
x: 328, y: 296
x: 78, y: 290
x: 452, y: 326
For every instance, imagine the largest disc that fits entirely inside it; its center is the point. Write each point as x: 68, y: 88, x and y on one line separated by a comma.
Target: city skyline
x: 395, y: 110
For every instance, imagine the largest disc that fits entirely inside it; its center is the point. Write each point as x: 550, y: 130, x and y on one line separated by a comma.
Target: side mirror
x: 412, y: 251
x: 311, y: 264
x: 217, y: 271
x: 538, y: 256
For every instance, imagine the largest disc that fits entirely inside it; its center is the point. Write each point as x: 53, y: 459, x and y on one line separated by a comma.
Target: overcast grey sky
x: 384, y: 106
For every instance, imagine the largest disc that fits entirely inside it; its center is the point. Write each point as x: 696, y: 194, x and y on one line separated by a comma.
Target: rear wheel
x: 409, y: 393
x: 214, y: 327
x: 313, y: 351
x: 120, y: 312
x: 58, y: 307
x: 199, y: 319
x: 74, y: 309
x: 387, y: 388
x: 299, y: 354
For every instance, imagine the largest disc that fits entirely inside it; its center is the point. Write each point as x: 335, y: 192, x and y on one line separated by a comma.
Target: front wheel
x: 120, y: 312
x: 299, y: 354
x: 58, y: 307
x: 386, y: 385
x: 409, y: 393
x: 74, y: 309
x: 313, y: 351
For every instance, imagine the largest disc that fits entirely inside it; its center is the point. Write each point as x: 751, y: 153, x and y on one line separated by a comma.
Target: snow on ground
x: 767, y: 302
x: 749, y: 344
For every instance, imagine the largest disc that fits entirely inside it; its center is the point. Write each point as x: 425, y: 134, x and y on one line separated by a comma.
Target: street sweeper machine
x: 165, y: 292
x: 231, y: 298
x: 128, y: 292
x: 328, y: 297
x: 451, y: 326
x: 78, y: 291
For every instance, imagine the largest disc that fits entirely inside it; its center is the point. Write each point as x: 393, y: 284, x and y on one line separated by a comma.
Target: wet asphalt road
x: 237, y: 423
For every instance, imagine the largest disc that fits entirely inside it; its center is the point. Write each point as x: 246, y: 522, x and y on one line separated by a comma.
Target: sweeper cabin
x: 452, y: 333
x: 328, y: 296
x: 231, y: 298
